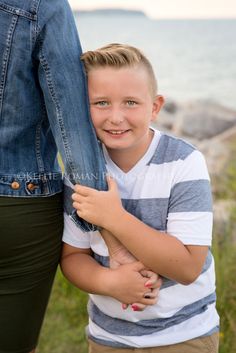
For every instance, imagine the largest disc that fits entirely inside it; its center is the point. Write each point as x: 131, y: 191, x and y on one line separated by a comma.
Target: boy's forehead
x: 117, y: 69
x: 106, y: 80
x: 129, y: 73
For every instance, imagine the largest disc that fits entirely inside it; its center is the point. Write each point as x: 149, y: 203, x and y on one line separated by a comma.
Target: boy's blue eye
x: 131, y: 103
x: 102, y: 103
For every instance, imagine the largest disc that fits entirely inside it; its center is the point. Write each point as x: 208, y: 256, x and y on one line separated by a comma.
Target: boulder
x: 202, y: 120
x: 165, y: 121
x: 170, y: 106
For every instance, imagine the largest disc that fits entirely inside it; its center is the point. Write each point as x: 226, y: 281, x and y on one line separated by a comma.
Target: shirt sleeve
x: 190, y: 207
x: 74, y: 236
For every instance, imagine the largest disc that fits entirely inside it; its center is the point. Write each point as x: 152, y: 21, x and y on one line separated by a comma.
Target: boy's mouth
x: 116, y: 132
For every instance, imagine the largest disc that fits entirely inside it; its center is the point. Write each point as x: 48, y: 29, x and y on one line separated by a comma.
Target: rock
x: 165, y: 121
x: 218, y: 150
x: 217, y: 155
x: 170, y: 106
x: 205, y: 124
x: 203, y: 120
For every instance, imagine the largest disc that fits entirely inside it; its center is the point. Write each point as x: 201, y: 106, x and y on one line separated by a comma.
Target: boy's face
x: 122, y: 107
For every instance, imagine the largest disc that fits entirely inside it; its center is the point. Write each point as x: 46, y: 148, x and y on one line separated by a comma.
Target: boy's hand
x: 127, y: 285
x: 153, y: 284
x: 119, y: 255
x: 98, y: 207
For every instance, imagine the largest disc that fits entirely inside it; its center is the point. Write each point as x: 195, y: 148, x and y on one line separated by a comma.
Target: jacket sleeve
x: 63, y: 83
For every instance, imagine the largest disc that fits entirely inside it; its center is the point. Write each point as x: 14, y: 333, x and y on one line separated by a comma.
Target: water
x: 193, y: 59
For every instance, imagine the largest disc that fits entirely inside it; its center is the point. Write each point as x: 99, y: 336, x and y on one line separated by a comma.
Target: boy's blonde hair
x: 118, y: 56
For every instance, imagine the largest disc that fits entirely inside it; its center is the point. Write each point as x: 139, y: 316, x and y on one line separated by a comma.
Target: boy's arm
x: 118, y: 254
x: 161, y: 252
x: 125, y: 283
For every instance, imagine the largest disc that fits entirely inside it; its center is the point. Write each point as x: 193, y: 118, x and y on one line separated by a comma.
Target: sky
x: 167, y: 8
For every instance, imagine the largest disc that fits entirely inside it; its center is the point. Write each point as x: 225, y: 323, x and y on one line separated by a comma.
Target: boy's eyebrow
x: 93, y: 98
x: 103, y: 97
x: 131, y: 97
x: 97, y: 97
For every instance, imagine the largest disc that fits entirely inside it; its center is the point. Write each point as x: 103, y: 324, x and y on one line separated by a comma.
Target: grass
x: 226, y: 182
x: 224, y: 250
x: 66, y: 318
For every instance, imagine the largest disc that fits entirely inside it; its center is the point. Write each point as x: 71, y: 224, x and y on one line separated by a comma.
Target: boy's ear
x: 157, y: 105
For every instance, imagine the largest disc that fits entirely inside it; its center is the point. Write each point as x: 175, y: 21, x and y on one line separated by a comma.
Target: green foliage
x: 225, y: 261
x: 64, y: 325
x: 225, y: 184
x: 224, y: 249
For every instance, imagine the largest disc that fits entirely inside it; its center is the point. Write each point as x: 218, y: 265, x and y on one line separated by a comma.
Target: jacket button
x: 15, y: 185
x: 31, y: 186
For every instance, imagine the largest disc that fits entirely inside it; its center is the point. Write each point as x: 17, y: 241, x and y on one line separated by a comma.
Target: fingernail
x: 135, y: 307
x: 147, y: 284
x: 147, y: 296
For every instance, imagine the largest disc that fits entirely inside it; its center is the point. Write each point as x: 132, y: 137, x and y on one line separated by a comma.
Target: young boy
x: 158, y: 206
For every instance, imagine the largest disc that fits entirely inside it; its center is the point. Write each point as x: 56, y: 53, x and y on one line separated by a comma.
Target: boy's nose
x: 116, y: 117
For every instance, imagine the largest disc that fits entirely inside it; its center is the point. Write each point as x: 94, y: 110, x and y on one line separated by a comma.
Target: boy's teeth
x: 116, y: 132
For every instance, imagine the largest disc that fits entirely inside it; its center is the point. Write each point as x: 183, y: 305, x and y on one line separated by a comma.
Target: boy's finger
x: 149, y: 274
x: 82, y: 190
x: 77, y: 198
x: 150, y: 301
x: 157, y: 284
x: 153, y: 284
x: 151, y: 295
x: 124, y: 306
x: 111, y: 183
x: 138, y: 307
x: 77, y: 206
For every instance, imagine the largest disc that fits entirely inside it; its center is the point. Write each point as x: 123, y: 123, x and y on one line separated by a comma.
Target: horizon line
x: 77, y: 9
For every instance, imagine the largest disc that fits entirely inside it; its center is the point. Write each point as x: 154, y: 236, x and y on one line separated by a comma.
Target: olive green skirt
x: 30, y: 245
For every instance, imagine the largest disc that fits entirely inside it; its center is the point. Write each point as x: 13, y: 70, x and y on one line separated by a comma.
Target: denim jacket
x: 44, y: 102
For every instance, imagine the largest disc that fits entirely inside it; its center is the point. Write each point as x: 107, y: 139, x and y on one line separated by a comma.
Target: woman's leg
x: 30, y: 245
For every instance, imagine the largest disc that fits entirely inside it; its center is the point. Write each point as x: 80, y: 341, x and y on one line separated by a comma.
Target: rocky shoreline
x: 206, y: 124
x: 212, y: 129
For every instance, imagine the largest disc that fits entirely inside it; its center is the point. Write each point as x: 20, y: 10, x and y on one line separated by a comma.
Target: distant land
x: 109, y: 12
